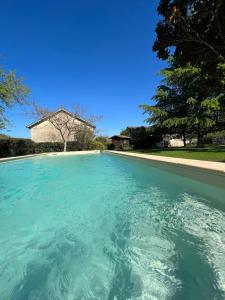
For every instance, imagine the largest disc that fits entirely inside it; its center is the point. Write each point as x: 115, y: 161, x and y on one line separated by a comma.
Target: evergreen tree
x: 192, y: 96
x: 183, y: 104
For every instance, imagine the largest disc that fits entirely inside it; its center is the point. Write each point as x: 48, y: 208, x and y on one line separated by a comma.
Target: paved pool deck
x: 5, y: 159
x: 193, y: 163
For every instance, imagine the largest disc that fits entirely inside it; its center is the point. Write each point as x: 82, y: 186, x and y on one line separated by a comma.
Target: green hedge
x: 17, y: 147
x: 48, y: 147
x: 110, y: 146
x: 96, y: 145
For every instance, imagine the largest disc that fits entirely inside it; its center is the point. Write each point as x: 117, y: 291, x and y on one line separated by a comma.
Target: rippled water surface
x: 106, y: 227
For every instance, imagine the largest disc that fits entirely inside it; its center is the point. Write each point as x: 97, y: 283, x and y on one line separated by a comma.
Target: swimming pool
x: 107, y: 227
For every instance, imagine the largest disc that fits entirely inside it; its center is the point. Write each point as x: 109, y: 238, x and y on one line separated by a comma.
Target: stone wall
x: 46, y: 132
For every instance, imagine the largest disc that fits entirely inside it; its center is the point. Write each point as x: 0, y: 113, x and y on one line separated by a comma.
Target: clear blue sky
x: 95, y: 53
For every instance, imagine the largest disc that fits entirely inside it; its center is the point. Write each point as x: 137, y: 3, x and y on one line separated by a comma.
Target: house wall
x: 176, y: 143
x: 46, y: 132
x: 171, y: 142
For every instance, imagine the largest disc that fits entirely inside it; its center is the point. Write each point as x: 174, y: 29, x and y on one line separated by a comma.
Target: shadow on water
x: 190, y: 269
x: 33, y: 284
x: 61, y: 251
x: 37, y: 282
x: 125, y: 283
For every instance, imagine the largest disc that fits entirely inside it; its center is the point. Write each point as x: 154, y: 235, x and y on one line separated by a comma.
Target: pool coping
x: 6, y: 159
x: 204, y: 165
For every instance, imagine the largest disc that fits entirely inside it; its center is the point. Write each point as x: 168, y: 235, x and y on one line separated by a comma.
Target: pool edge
x: 7, y: 159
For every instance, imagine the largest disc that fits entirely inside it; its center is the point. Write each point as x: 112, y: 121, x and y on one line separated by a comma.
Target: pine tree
x: 183, y: 104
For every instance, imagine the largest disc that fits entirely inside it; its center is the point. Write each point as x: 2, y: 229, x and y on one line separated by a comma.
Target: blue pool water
x: 107, y: 227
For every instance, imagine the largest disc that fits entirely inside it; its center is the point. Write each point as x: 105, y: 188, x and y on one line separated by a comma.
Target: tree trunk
x: 199, y: 137
x: 184, y: 139
x: 199, y: 142
x: 65, y: 146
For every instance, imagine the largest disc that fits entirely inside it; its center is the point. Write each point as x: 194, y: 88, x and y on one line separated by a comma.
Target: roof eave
x: 72, y: 115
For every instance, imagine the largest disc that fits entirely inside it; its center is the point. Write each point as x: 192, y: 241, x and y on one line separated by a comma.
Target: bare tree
x: 83, y: 136
x: 70, y: 126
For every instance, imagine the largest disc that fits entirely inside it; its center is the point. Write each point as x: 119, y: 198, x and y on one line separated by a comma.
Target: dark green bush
x: 48, y: 147
x: 207, y: 140
x: 143, y: 138
x: 55, y: 147
x: 96, y: 145
x: 73, y: 146
x: 111, y: 146
x: 16, y: 147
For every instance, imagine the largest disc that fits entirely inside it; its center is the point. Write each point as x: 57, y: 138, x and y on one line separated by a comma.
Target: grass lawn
x: 202, y: 154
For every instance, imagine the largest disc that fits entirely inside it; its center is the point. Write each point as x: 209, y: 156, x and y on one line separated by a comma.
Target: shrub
x: 73, y: 146
x: 16, y: 147
x: 56, y: 147
x: 95, y: 145
x: 217, y: 137
x: 48, y: 147
x: 102, y: 139
x: 142, y: 137
x: 111, y: 146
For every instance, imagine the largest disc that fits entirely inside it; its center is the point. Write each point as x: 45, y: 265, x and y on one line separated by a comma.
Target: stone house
x: 171, y: 141
x: 51, y: 127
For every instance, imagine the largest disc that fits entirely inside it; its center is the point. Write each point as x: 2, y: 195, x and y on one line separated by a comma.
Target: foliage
x: 111, y: 146
x: 96, y: 145
x: 83, y: 136
x: 191, y: 99
x: 192, y: 31
x: 17, y: 146
x: 142, y: 137
x: 12, y: 91
x: 55, y: 147
x: 183, y: 103
x: 102, y: 139
x: 48, y: 147
x: 126, y: 131
x: 217, y: 138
